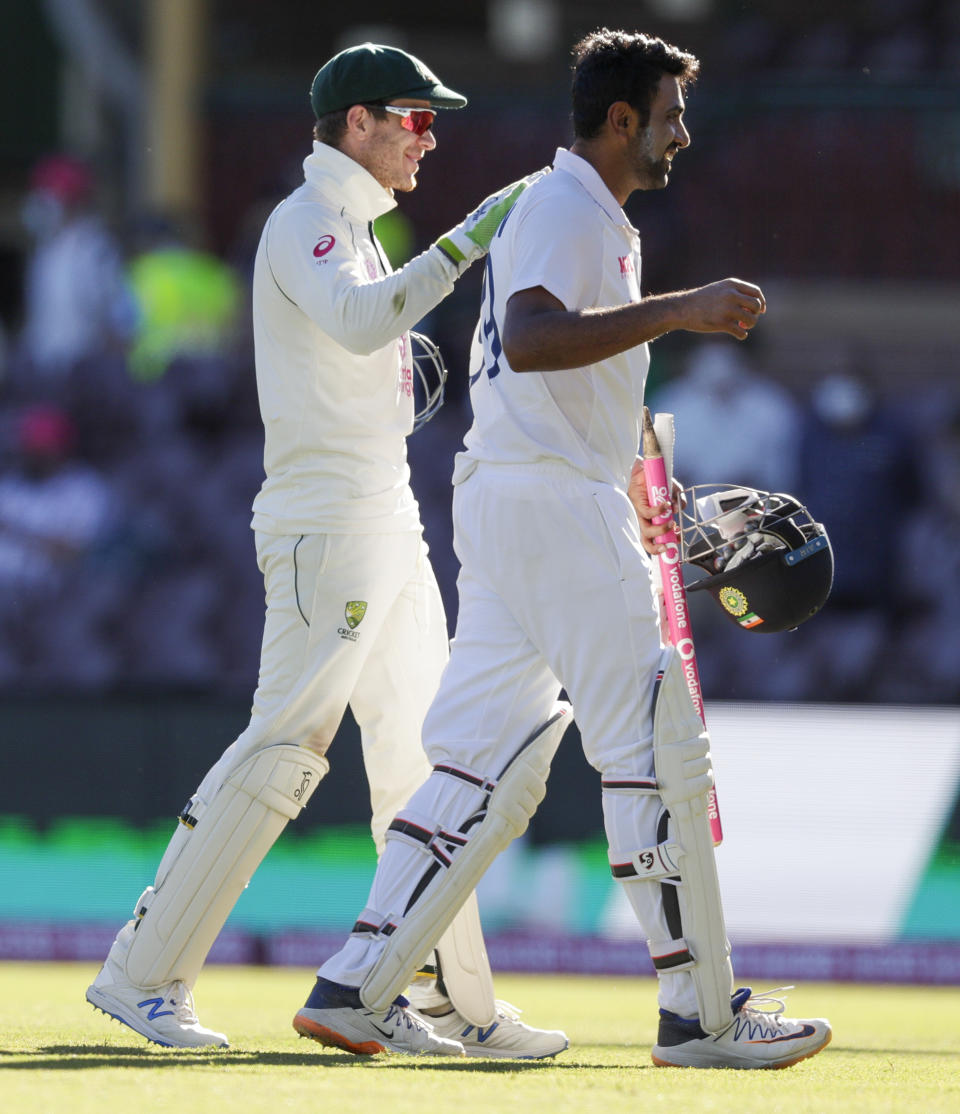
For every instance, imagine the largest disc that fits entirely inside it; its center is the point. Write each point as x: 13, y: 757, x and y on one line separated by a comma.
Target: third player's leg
x: 393, y: 691
x: 579, y: 586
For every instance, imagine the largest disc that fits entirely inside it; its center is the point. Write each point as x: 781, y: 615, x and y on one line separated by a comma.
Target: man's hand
x: 729, y: 306
x: 637, y: 493
x: 471, y: 239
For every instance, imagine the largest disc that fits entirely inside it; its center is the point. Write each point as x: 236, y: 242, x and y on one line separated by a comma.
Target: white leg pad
x: 207, y: 868
x: 684, y: 774
x: 465, y: 967
x: 509, y: 806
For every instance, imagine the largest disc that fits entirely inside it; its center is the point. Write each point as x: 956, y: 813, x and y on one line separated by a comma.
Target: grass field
x: 895, y: 1049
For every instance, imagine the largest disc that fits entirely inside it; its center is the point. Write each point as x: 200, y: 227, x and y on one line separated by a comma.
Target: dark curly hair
x: 611, y: 66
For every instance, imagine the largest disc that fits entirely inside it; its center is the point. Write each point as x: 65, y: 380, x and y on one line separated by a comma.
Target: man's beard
x: 652, y: 173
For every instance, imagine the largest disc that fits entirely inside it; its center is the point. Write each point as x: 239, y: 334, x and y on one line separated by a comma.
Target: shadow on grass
x: 83, y: 1057
x: 849, y: 1050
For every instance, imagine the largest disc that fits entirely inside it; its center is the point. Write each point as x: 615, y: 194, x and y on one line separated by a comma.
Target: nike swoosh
x: 383, y: 1032
x: 806, y: 1031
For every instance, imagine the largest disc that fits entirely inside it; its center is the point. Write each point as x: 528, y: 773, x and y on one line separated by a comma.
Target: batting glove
x: 471, y: 239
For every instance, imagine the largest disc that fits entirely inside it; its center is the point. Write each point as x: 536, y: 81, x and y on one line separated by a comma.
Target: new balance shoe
x: 335, y: 1016
x: 164, y: 1015
x: 757, y: 1037
x: 506, y: 1037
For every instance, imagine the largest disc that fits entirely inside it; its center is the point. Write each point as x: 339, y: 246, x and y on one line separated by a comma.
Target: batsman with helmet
x: 353, y: 612
x: 555, y: 537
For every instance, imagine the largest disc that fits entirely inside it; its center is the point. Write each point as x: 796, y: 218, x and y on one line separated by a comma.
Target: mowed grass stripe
x: 895, y: 1049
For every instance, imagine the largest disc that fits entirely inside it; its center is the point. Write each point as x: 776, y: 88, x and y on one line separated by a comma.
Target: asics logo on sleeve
x: 323, y: 245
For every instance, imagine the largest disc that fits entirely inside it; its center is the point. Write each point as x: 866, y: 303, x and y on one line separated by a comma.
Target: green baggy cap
x: 371, y: 72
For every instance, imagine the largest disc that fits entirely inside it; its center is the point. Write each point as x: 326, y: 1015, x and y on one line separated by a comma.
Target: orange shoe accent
x: 320, y: 1033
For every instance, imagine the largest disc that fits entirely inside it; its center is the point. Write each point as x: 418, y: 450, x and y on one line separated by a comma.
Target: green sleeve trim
x: 450, y: 249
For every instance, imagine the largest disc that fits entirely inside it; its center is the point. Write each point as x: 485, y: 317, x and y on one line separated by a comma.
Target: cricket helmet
x: 429, y: 379
x: 768, y: 564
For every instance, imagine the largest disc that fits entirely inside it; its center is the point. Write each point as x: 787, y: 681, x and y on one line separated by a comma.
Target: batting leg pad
x: 465, y: 968
x: 459, y: 860
x: 212, y: 858
x: 683, y: 861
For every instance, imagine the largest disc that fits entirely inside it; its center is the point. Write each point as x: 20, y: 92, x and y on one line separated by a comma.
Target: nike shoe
x: 164, y: 1015
x: 506, y: 1037
x: 335, y: 1016
x: 757, y: 1037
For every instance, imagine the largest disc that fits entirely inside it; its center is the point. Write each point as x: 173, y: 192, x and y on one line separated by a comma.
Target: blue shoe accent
x: 675, y: 1029
x: 327, y: 995
x: 155, y: 1011
x: 482, y: 1034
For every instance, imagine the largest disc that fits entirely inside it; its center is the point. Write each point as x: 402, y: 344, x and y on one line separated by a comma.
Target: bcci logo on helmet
x: 353, y: 612
x: 733, y: 600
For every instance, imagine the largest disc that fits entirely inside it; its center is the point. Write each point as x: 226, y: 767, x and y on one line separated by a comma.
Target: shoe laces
x: 767, y: 1003
x: 181, y: 998
x: 399, y: 1015
x: 507, y: 1011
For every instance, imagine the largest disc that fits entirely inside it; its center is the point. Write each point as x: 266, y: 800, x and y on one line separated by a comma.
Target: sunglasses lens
x: 418, y: 122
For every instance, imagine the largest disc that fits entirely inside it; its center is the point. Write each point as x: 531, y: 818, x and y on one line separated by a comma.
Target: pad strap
x: 372, y: 923
x: 478, y: 781
x: 671, y: 955
x: 662, y: 860
x: 439, y: 842
x: 645, y: 786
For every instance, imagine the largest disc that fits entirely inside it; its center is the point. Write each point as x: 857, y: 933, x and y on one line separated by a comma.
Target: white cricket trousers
x: 350, y: 619
x: 555, y: 591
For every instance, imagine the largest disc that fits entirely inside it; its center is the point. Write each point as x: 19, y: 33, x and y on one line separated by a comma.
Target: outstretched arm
x: 540, y: 334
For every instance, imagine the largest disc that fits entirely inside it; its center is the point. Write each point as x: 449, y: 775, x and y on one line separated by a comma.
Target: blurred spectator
x: 188, y: 302
x: 925, y: 663
x: 859, y: 466
x: 57, y: 517
x: 733, y: 425
x: 77, y: 304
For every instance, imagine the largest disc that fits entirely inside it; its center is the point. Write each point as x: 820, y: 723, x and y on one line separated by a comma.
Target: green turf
x: 896, y: 1050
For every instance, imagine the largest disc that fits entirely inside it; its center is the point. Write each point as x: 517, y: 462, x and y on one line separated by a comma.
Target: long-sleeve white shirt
x: 334, y: 373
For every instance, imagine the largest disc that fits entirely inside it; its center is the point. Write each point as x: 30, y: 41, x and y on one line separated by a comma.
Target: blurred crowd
x: 131, y: 449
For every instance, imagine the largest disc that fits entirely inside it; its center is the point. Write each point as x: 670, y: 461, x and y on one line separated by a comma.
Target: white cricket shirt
x: 334, y: 373
x: 568, y: 234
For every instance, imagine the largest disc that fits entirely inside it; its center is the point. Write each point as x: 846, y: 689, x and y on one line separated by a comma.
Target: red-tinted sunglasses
x: 416, y: 120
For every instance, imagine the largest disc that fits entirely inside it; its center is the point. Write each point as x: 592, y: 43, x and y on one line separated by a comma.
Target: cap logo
x: 734, y: 601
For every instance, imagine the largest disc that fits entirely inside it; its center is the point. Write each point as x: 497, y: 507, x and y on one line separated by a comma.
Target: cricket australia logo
x: 353, y: 612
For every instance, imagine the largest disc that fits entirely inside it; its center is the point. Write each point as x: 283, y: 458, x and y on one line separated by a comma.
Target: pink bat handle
x: 674, y: 604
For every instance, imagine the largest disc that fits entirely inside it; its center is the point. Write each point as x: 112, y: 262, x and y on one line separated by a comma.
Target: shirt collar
x: 591, y: 181
x: 346, y: 183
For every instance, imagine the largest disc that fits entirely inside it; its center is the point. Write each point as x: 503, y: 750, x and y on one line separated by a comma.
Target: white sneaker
x: 507, y: 1037
x: 755, y: 1038
x: 164, y: 1015
x: 335, y: 1016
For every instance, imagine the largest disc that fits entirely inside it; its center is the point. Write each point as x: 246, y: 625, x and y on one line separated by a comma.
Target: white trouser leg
x: 312, y: 656
x: 467, y: 728
x: 554, y: 585
x: 393, y: 692
x: 389, y: 702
